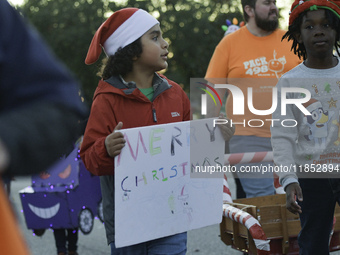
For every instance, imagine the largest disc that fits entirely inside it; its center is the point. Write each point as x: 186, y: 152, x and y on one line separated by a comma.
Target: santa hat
x: 299, y: 6
x: 183, y: 196
x: 119, y: 30
x: 312, y: 105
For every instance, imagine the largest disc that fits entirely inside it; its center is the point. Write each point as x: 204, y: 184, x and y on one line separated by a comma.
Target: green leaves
x: 192, y: 27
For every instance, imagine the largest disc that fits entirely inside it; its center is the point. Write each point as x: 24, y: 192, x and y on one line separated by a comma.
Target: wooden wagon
x: 280, y: 226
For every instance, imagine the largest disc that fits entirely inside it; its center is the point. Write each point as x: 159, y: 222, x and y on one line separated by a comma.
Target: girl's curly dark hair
x: 294, y: 28
x: 121, y: 62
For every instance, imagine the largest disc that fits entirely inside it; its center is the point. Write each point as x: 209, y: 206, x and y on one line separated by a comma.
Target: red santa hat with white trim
x: 122, y: 28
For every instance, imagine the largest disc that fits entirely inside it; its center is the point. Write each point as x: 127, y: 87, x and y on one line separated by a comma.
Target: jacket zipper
x: 154, y: 114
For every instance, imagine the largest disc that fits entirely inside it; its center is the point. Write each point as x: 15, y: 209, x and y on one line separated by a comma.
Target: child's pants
x: 319, y: 198
x: 170, y: 245
x: 63, y: 236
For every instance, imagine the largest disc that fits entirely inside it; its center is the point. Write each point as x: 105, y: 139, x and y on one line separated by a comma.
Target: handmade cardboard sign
x: 158, y: 192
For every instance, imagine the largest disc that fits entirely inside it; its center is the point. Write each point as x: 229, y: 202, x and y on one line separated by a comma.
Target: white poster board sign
x: 156, y: 194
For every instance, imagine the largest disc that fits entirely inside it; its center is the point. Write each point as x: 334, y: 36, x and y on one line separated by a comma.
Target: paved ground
x: 204, y: 241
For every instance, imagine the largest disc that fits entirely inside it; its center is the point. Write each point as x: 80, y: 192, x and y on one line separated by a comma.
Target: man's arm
x: 212, y: 109
x: 217, y: 73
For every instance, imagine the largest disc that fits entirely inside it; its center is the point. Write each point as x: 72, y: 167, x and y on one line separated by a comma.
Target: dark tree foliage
x: 192, y: 27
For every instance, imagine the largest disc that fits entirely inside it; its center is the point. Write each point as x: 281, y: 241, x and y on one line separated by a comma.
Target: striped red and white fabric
x: 254, y: 157
x: 278, y: 188
x: 226, y: 191
x: 248, y: 157
x: 252, y: 224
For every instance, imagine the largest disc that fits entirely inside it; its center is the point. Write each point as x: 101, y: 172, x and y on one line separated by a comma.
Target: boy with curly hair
x: 131, y: 92
x: 310, y: 146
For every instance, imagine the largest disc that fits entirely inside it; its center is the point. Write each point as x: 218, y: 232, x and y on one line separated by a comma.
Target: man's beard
x: 266, y: 25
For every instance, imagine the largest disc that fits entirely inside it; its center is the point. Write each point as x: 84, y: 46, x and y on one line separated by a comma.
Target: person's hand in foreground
x: 293, y: 192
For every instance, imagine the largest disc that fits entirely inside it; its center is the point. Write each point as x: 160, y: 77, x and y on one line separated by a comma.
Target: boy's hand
x: 293, y: 191
x: 115, y: 141
x: 226, y: 129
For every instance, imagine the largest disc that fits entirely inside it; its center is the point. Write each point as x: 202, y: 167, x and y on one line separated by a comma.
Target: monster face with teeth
x: 64, y: 196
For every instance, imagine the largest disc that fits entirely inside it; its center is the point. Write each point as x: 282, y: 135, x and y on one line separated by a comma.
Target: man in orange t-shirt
x: 255, y: 57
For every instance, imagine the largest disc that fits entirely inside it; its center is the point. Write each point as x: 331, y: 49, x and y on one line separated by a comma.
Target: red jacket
x: 114, y: 102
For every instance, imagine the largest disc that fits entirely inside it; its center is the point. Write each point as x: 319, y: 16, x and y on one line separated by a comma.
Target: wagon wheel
x: 85, y: 221
x: 100, y: 211
x: 38, y: 232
